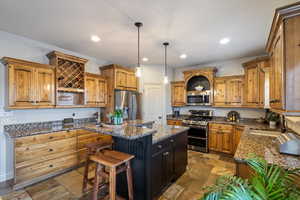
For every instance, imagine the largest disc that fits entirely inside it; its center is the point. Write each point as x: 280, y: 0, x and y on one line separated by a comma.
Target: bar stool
x: 109, y: 164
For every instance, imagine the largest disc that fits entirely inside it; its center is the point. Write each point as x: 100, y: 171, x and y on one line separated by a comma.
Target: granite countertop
x: 166, y: 131
x: 265, y: 147
x: 129, y: 130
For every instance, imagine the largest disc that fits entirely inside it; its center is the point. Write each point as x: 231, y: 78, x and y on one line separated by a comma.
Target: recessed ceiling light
x: 95, y: 38
x: 183, y: 56
x: 225, y: 40
x: 145, y: 59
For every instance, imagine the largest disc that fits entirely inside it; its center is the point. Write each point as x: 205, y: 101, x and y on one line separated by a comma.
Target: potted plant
x: 268, y: 182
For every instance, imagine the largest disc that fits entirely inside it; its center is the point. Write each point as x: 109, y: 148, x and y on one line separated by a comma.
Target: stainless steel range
x: 198, y: 132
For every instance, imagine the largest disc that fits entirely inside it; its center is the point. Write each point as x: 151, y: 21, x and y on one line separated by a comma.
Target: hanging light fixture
x: 166, y: 76
x: 138, y: 72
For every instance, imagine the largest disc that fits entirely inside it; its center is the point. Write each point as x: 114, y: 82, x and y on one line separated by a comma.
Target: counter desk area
x: 44, y: 150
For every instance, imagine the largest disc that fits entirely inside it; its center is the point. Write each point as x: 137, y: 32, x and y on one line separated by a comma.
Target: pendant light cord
x: 139, y: 47
x: 166, y: 54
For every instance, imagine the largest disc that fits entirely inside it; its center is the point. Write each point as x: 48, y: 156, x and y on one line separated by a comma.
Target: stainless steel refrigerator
x: 129, y: 102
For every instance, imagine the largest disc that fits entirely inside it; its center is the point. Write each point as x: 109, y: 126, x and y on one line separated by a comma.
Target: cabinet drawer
x: 222, y: 127
x: 83, y: 140
x: 163, y: 145
x: 43, y: 138
x: 174, y: 122
x: 44, y: 168
x: 27, y: 154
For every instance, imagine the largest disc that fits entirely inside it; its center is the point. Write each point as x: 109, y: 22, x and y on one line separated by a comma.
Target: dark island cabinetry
x: 169, y: 161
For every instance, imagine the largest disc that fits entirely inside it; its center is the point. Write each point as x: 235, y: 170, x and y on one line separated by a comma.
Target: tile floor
x: 203, y: 170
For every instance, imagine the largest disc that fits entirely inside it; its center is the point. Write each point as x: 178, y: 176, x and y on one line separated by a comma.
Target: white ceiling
x: 193, y: 27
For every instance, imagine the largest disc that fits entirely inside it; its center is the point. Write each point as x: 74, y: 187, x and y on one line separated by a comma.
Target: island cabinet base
x: 243, y: 170
x: 168, y: 162
x: 155, y: 166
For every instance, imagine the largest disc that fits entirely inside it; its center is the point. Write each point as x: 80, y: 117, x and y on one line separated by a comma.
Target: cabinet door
x: 236, y: 137
x: 91, y: 90
x: 101, y: 92
x: 234, y: 91
x: 213, y: 140
x: 157, y: 172
x: 227, y: 140
x: 276, y: 75
x: 180, y: 154
x: 45, y: 87
x: 220, y: 92
x: 168, y: 165
x: 121, y: 79
x: 178, y: 94
x: 252, y: 85
x: 261, y: 87
x: 131, y: 81
x: 21, y: 86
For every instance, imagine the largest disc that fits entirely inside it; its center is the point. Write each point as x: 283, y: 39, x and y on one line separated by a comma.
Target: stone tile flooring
x: 203, y: 170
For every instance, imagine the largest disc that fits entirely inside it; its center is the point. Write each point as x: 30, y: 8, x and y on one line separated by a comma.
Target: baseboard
x: 7, y: 176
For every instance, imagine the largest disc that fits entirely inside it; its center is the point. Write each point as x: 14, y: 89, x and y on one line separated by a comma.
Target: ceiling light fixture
x: 225, y: 40
x: 166, y: 76
x: 183, y: 56
x: 95, y: 38
x: 145, y: 59
x: 138, y: 72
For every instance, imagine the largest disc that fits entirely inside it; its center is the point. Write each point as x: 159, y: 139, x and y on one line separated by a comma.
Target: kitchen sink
x: 265, y: 133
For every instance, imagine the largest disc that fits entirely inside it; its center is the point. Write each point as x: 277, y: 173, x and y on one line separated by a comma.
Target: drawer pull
x: 159, y: 146
x: 50, y: 150
x: 172, y: 140
x: 50, y: 165
x: 51, y: 137
x: 166, y: 154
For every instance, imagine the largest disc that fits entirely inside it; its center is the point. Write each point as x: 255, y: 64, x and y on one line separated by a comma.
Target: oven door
x: 198, y: 138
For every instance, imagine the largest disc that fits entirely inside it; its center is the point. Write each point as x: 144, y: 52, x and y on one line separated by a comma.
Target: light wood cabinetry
x: 41, y: 156
x: 118, y: 78
x: 228, y: 91
x: 173, y: 122
x: 255, y: 82
x: 221, y: 138
x: 30, y: 85
x: 284, y: 49
x: 238, y: 130
x: 178, y: 94
x: 96, y: 90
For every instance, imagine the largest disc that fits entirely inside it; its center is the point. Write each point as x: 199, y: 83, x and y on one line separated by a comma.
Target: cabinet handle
x: 50, y: 150
x: 51, y: 137
x: 159, y: 146
x: 166, y: 154
x: 172, y: 140
x: 50, y: 165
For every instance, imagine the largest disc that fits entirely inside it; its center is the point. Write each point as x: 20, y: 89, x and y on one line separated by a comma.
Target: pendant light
x: 138, y: 72
x: 166, y: 76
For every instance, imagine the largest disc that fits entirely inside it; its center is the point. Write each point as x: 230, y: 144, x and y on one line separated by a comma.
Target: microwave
x: 198, y: 98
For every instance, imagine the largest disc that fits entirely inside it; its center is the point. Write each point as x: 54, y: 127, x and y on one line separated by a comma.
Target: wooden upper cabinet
x: 228, y: 91
x: 30, y: 85
x: 255, y: 82
x: 121, y: 79
x: 96, y: 90
x: 178, y: 93
x: 283, y: 46
x: 45, y: 86
x: 132, y: 81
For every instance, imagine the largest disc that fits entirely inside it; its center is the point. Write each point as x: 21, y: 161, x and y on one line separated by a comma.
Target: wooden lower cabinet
x: 221, y: 138
x: 41, y: 156
x: 243, y: 170
x: 238, y: 130
x: 174, y: 122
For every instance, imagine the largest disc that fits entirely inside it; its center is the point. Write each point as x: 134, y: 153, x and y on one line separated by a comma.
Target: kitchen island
x: 44, y: 150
